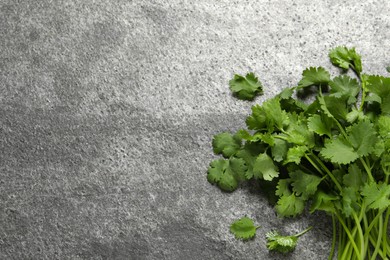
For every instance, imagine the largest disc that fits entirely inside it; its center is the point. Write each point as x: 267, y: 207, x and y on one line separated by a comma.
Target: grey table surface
x: 108, y: 108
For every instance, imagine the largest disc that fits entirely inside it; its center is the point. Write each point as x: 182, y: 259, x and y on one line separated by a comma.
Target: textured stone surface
x: 107, y: 110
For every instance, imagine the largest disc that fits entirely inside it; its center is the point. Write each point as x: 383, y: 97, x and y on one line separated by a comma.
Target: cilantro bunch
x: 330, y: 153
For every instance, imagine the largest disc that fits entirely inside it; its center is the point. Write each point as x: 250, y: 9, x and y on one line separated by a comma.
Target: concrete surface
x: 107, y: 110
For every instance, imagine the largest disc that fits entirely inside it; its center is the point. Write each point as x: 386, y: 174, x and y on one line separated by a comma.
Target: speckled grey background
x: 107, y: 110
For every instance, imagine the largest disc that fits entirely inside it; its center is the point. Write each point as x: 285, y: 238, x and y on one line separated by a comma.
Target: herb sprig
x: 331, y: 154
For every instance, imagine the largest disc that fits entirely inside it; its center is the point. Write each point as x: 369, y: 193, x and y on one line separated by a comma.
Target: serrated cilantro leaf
x: 279, y: 150
x: 246, y: 87
x: 264, y: 168
x: 345, y: 58
x: 314, y: 77
x: 320, y: 125
x: 324, y: 201
x: 249, y: 154
x: 226, y: 144
x: 344, y: 87
x: 339, y: 151
x: 349, y: 197
x: 267, y: 116
x: 279, y: 243
x: 362, y: 136
x: 380, y: 87
x: 354, y: 177
x: 243, y: 228
x: 226, y: 173
x: 282, y: 244
x: 376, y: 195
x: 290, y: 205
x: 304, y: 185
x: 384, y: 126
x: 295, y: 154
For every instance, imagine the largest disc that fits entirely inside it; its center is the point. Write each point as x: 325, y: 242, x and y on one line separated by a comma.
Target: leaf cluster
x: 328, y: 153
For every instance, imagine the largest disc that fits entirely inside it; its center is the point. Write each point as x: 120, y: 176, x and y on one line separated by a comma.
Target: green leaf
x: 384, y: 126
x: 320, y: 125
x: 279, y: 243
x: 344, y: 87
x: 258, y: 119
x: 279, y: 150
x: 243, y: 228
x: 264, y: 167
x: 339, y: 151
x: 355, y: 177
x: 323, y: 201
x: 376, y: 195
x: 226, y: 173
x: 247, y: 87
x: 249, y: 154
x: 282, y: 188
x: 362, y: 136
x: 295, y: 154
x: 344, y: 58
x: 314, y: 76
x: 380, y: 86
x: 349, y: 200
x: 290, y: 205
x: 226, y: 144
x: 304, y: 185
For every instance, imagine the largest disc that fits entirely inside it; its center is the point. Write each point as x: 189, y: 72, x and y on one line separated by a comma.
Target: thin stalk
x: 334, y: 237
x: 348, y: 233
x: 322, y: 165
x: 360, y: 235
x: 384, y: 237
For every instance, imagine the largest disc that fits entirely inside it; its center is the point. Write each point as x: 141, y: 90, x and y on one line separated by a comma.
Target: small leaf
x: 247, y: 87
x: 226, y: 144
x: 243, y: 228
x: 314, y: 76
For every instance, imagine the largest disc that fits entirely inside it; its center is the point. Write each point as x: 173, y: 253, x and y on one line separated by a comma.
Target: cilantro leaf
x: 268, y: 116
x: 320, y: 125
x: 344, y: 87
x: 295, y: 154
x: 226, y: 173
x: 279, y: 243
x: 362, y: 136
x: 226, y: 144
x: 283, y: 244
x: 247, y: 87
x: 380, y: 87
x: 323, y: 201
x: 290, y: 205
x: 314, y: 77
x: 339, y: 151
x: 304, y: 184
x: 243, y: 228
x: 377, y: 195
x: 264, y: 168
x: 345, y: 58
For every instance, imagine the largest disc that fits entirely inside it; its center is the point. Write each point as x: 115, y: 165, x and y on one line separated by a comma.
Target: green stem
x: 334, y: 237
x: 384, y: 237
x: 322, y: 165
x: 348, y: 233
x: 303, y: 232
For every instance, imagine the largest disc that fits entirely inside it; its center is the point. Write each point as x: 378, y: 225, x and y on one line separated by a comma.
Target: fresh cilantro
x: 283, y: 244
x: 247, y: 87
x: 328, y: 153
x: 243, y: 228
x: 346, y: 58
x: 226, y: 144
x: 314, y: 77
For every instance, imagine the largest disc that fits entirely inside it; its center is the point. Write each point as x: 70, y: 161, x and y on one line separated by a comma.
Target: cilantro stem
x: 334, y: 237
x: 322, y: 165
x: 303, y: 232
x: 348, y: 233
x: 384, y: 237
